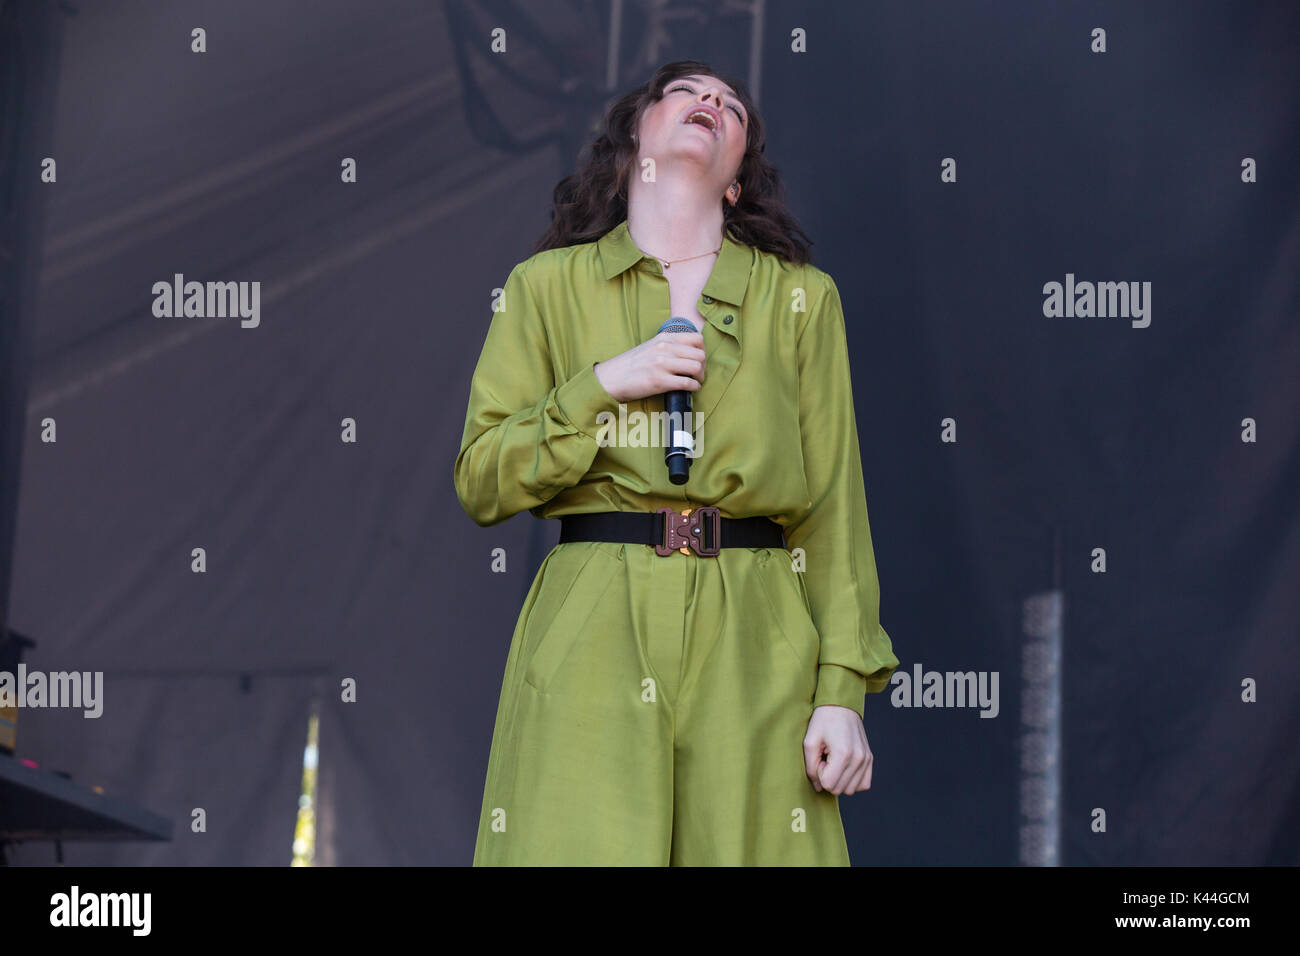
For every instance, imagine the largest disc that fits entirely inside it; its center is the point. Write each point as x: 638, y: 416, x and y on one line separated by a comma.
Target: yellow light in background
x: 304, y: 833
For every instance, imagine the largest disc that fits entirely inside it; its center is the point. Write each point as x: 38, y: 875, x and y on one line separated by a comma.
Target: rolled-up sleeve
x: 856, y: 656
x: 526, y: 437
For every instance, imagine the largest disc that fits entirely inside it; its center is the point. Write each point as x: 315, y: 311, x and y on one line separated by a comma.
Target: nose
x: 711, y: 96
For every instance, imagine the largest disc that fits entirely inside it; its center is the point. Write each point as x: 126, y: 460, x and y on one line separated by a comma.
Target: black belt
x: 702, y: 530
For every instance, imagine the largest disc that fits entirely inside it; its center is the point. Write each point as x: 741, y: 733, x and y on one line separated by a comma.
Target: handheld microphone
x: 677, y: 405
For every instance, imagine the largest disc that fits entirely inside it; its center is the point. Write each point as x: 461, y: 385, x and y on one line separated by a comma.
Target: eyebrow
x: 692, y: 79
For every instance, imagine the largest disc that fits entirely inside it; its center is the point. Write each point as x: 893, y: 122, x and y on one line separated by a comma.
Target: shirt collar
x: 727, y: 282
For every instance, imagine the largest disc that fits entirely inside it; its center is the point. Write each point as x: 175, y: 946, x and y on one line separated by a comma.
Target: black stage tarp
x: 1169, y: 158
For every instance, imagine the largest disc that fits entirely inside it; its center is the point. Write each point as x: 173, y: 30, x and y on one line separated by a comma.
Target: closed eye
x: 682, y: 86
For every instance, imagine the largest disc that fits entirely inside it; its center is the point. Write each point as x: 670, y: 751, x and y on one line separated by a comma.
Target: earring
x: 733, y: 193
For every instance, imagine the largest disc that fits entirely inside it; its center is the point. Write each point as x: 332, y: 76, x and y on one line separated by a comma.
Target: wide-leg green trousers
x: 653, y: 712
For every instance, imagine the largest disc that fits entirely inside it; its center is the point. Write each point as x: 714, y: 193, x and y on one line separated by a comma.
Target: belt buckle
x: 684, y: 532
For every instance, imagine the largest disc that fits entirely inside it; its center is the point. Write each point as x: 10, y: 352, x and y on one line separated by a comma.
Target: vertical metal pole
x: 30, y: 49
x: 756, y: 50
x: 1040, y: 722
x: 615, y: 31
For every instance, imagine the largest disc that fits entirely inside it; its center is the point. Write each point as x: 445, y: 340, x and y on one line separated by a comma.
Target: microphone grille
x: 678, y: 324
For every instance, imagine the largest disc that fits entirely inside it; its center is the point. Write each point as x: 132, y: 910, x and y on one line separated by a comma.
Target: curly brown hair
x: 593, y: 200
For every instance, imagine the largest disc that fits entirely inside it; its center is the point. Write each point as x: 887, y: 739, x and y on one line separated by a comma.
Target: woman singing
x: 683, y: 688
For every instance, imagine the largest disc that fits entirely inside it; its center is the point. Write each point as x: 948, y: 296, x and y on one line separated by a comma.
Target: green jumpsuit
x: 653, y: 708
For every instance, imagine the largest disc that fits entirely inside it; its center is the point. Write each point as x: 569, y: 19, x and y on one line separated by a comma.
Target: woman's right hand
x: 670, y: 361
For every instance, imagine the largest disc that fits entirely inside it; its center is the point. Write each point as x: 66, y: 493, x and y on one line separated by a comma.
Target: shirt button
x: 727, y: 320
x: 707, y: 300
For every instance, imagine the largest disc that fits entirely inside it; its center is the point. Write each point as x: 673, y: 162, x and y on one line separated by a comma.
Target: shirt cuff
x: 582, y: 398
x: 841, y: 687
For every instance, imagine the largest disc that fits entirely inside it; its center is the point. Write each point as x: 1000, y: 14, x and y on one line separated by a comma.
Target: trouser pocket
x: 783, y: 589
x: 563, y: 609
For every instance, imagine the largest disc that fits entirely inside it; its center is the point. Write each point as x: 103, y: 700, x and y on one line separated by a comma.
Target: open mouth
x: 704, y: 118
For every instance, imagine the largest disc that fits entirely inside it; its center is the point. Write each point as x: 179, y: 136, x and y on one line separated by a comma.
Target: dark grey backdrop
x: 329, y: 560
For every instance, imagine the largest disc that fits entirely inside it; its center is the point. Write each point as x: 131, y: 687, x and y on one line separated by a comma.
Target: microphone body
x: 677, y: 406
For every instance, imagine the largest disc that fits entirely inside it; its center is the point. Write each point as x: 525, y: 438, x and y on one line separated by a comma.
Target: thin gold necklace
x: 667, y: 263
